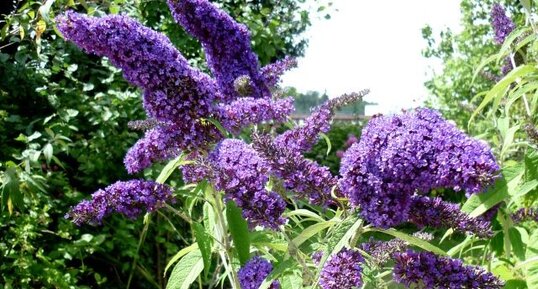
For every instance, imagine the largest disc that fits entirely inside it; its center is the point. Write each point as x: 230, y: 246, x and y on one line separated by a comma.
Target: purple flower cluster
x: 247, y: 110
x: 415, y: 152
x: 307, y: 179
x: 241, y: 173
x: 174, y: 92
x: 429, y: 271
x: 272, y: 72
x: 434, y: 212
x: 342, y: 270
x: 302, y: 138
x: 525, y: 214
x: 252, y: 274
x: 226, y: 44
x: 502, y: 24
x: 130, y: 198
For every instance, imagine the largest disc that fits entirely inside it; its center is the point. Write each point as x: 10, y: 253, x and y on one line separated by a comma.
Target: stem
x: 227, y: 255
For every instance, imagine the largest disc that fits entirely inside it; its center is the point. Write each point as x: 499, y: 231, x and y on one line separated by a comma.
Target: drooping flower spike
x: 429, y: 271
x: 130, y: 198
x: 226, y: 44
x: 305, y: 178
x: 436, y: 213
x: 304, y: 137
x: 176, y: 95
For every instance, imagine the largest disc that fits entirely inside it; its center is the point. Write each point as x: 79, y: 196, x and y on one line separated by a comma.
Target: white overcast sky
x: 376, y: 45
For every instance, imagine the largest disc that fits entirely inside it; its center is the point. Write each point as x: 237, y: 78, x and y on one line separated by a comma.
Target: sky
x: 376, y: 45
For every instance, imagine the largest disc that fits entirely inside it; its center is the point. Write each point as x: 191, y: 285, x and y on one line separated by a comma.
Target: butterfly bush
x: 402, y: 155
x: 252, y: 274
x: 387, y: 173
x: 502, y: 24
x: 427, y: 270
x: 130, y: 198
x: 342, y: 270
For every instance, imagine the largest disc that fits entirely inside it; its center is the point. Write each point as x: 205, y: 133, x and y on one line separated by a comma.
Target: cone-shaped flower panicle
x: 304, y: 137
x: 415, y: 152
x: 226, y: 44
x: 429, y: 271
x: 502, y: 24
x: 130, y: 198
x: 342, y: 270
x: 252, y: 274
x: 306, y: 178
x: 176, y: 95
x: 241, y: 173
x: 272, y: 72
x: 436, y: 213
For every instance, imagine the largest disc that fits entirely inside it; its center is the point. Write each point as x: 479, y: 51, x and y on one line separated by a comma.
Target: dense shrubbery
x: 64, y: 133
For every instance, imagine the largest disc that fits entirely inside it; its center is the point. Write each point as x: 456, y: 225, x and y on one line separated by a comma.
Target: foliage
x: 63, y: 133
x: 503, y: 112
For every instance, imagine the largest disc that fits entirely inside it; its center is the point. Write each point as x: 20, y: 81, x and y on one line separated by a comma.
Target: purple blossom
x: 316, y: 257
x: 307, y: 179
x: 525, y: 214
x: 245, y: 111
x: 226, y: 44
x: 130, y: 198
x: 502, y: 24
x: 272, y: 72
x: 252, y: 274
x: 302, y: 138
x: 174, y: 93
x: 342, y: 270
x: 241, y: 173
x: 415, y: 152
x: 434, y: 212
x: 429, y: 271
x: 158, y: 144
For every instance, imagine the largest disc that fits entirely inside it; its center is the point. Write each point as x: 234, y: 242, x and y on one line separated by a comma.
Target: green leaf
x: 186, y: 271
x: 532, y: 269
x: 328, y: 141
x: 501, y: 87
x: 169, y: 169
x: 517, y: 243
x: 47, y: 152
x: 342, y: 234
x: 11, y: 194
x: 412, y: 240
x: 204, y: 241
x: 180, y: 254
x: 477, y: 204
x: 239, y: 230
x: 311, y: 231
x: 293, y: 281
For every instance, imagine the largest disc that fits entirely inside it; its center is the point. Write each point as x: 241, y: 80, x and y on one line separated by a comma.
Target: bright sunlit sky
x: 375, y: 45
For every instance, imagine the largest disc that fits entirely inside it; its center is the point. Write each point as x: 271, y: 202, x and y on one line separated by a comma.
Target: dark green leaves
x: 239, y: 230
